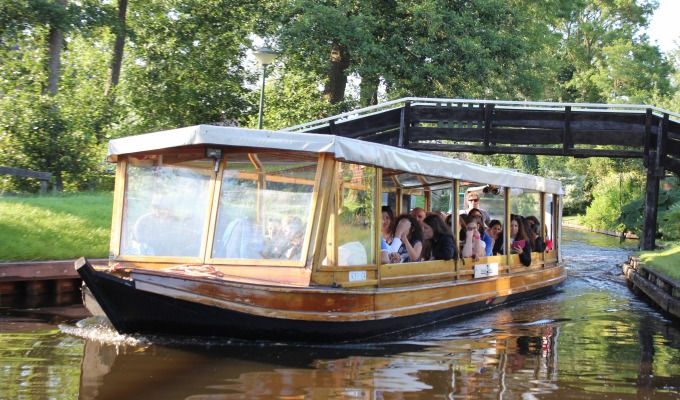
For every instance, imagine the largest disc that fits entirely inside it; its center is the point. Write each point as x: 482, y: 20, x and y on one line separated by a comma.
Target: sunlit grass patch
x: 666, y: 261
x: 57, y: 227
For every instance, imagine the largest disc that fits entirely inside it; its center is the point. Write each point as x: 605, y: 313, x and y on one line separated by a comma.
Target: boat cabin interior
x: 294, y: 217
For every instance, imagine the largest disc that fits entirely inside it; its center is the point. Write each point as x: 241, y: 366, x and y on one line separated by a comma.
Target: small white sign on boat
x: 484, y: 270
x: 357, y: 276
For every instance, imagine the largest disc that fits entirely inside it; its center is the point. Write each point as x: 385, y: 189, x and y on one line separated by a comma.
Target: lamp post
x: 265, y: 56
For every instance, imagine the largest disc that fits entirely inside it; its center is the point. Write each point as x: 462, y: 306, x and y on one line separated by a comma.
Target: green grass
x: 666, y: 261
x: 55, y: 227
x: 574, y: 219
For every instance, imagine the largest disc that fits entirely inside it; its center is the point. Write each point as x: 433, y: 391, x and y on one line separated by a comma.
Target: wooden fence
x: 43, y: 177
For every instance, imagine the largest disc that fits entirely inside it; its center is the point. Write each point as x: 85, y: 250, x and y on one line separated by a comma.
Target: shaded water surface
x: 593, y: 339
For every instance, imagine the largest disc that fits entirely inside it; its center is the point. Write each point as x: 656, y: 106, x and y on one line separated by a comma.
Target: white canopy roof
x: 343, y: 148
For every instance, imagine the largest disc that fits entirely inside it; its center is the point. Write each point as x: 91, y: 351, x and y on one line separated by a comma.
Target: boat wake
x: 99, y: 329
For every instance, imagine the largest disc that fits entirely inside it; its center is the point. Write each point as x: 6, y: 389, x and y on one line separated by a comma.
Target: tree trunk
x: 368, y: 95
x: 118, y: 49
x: 54, y: 46
x: 337, y: 78
x: 113, y: 72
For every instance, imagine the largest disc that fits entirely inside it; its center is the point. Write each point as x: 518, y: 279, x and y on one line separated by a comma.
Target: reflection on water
x: 593, y: 339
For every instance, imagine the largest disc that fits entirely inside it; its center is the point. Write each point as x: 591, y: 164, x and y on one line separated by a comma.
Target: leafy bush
x: 668, y: 214
x: 610, y: 194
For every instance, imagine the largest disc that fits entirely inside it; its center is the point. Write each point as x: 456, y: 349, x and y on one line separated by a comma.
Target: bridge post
x: 655, y: 171
x: 404, y: 125
x: 651, y: 205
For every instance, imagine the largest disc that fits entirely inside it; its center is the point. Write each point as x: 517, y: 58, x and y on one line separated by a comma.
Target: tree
x: 183, y: 65
x: 40, y: 128
x: 429, y: 48
x: 605, y: 58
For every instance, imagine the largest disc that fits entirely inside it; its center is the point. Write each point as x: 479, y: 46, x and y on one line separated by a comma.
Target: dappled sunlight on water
x: 592, y: 339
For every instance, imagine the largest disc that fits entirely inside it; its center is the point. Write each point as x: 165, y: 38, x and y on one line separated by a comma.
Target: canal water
x: 591, y: 340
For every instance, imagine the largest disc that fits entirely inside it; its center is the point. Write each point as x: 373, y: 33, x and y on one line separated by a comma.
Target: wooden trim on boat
x: 325, y: 304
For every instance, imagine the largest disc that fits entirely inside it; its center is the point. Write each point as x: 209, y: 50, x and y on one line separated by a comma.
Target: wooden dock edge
x: 34, y: 278
x: 657, y: 287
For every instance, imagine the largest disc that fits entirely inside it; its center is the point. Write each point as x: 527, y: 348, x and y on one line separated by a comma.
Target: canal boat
x: 255, y: 234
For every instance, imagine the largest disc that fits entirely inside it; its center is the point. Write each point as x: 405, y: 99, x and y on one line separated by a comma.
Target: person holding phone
x: 519, y: 239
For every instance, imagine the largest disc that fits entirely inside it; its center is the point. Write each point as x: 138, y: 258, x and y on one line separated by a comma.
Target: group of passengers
x: 428, y: 236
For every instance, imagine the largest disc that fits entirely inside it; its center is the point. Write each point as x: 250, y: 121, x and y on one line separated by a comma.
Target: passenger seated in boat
x: 286, y: 240
x: 439, y: 243
x: 520, y: 241
x: 488, y: 242
x: 538, y: 244
x: 387, y: 224
x: 162, y: 233
x: 449, y: 223
x: 408, y: 230
x: 419, y: 213
x: 384, y: 252
x: 473, y: 201
x: 496, y: 233
x: 473, y: 246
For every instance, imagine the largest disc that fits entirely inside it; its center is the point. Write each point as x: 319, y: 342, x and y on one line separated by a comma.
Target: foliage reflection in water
x: 594, y: 339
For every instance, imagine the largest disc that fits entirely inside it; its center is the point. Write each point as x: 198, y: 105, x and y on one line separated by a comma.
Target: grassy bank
x: 55, y: 227
x: 667, y: 261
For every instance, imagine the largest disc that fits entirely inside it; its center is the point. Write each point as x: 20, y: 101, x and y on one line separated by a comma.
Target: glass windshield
x: 264, y: 206
x: 165, y: 206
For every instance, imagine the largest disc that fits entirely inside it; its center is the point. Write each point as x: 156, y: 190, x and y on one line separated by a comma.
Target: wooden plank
x: 554, y: 151
x: 24, y: 173
x: 502, y: 115
x: 374, y: 123
x: 567, y: 144
x: 434, y: 114
x: 488, y: 123
x: 634, y: 119
x: 672, y: 164
x: 526, y: 136
x: 405, y: 128
x: 418, y: 133
x: 662, y: 138
x: 648, y: 136
x: 38, y: 270
x: 608, y: 137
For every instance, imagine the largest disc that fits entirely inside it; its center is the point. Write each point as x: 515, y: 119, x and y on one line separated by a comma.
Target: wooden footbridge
x: 513, y: 127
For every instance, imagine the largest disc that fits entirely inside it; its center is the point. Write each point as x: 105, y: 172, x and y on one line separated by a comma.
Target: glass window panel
x: 356, y: 222
x: 165, y: 206
x: 264, y: 205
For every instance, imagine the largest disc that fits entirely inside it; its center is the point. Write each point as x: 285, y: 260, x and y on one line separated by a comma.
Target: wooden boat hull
x: 172, y: 305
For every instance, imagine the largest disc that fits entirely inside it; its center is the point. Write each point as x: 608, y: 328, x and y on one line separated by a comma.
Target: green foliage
x: 606, y: 57
x: 183, y: 65
x: 669, y: 221
x: 298, y: 88
x: 610, y: 195
x: 629, y: 70
x: 668, y: 214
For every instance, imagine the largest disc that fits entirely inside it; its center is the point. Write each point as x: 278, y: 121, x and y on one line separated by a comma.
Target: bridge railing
x: 43, y: 177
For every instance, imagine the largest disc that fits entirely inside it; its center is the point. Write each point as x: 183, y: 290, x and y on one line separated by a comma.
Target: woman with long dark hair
x: 408, y: 230
x: 519, y: 238
x: 439, y: 243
